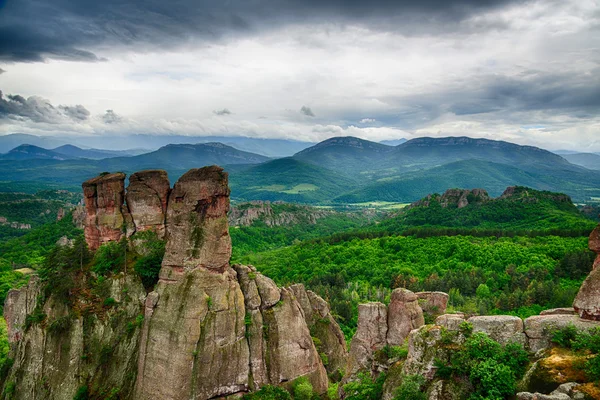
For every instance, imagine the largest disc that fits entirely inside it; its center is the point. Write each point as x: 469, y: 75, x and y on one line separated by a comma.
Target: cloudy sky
x: 523, y: 71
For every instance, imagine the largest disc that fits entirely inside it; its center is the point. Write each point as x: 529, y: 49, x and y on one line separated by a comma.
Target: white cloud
x: 409, y: 85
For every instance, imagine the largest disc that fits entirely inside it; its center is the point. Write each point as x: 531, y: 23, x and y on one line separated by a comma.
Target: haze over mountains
x: 338, y: 170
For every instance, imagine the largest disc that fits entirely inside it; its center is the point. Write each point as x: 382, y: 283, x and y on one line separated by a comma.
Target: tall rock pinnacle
x: 587, y: 302
x: 104, y: 221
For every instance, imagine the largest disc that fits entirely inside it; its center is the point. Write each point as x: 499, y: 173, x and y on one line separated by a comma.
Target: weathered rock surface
x: 370, y: 336
x: 104, y: 197
x: 18, y: 304
x: 539, y: 328
x: 99, y: 352
x: 424, y: 347
x: 451, y: 322
x: 208, y: 330
x: 566, y: 391
x: 587, y: 301
x: 331, y: 342
x: 197, y: 234
x: 502, y: 328
x: 559, y: 311
x: 433, y: 303
x: 404, y: 315
x: 245, y: 214
x: 147, y: 196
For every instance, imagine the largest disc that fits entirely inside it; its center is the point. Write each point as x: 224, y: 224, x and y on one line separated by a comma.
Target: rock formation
x: 380, y: 326
x: 104, y: 197
x: 245, y: 214
x: 147, y: 196
x: 208, y: 330
x: 404, y: 315
x: 587, y: 302
x: 433, y: 303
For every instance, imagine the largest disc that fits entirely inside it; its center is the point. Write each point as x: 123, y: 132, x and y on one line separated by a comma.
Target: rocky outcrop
x: 433, y: 303
x: 370, y: 336
x: 147, y: 196
x: 18, y: 304
x: 566, y: 391
x: 104, y: 197
x: 463, y: 197
x: 539, y: 328
x: 330, y: 341
x: 207, y: 330
x: 64, y: 352
x: 404, y: 315
x: 275, y: 214
x: 587, y: 301
x: 503, y: 329
x: 197, y: 234
x: 215, y: 330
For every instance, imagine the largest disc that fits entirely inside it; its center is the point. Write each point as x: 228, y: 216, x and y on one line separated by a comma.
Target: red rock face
x: 104, y: 197
x: 147, y: 196
x: 197, y: 229
x: 587, y: 301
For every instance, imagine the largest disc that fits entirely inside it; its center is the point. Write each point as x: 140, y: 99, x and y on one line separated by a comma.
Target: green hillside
x: 519, y: 208
x: 494, y: 177
x: 289, y: 180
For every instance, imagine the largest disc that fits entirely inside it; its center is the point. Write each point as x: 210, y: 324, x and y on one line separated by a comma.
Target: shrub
x: 268, y: 393
x: 564, y: 337
x: 148, y: 266
x: 109, y: 302
x: 493, y: 381
x: 410, y: 389
x: 303, y: 390
x: 365, y: 388
x: 110, y: 257
x: 82, y: 393
x: 332, y: 391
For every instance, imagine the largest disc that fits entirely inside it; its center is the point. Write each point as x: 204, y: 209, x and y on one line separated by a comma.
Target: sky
x: 522, y: 71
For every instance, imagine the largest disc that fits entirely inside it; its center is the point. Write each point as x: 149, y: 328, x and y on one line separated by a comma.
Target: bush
x: 365, y: 388
x: 268, y: 393
x: 303, y: 390
x: 332, y: 391
x: 110, y: 257
x: 564, y: 337
x: 148, y: 266
x: 410, y: 389
x: 82, y: 393
x: 492, y: 381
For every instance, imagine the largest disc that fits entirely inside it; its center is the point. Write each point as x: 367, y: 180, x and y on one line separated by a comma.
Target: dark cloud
x: 111, y: 117
x: 77, y: 112
x: 506, y: 97
x: 37, y: 109
x: 224, y: 111
x: 32, y: 30
x: 307, y: 111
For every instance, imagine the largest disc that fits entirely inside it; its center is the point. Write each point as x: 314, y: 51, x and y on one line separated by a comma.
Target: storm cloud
x: 39, y: 110
x: 32, y: 31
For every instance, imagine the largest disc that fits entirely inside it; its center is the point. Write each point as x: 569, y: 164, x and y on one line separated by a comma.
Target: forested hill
x: 518, y: 208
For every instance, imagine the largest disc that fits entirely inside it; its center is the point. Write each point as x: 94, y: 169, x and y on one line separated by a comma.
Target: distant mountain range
x: 123, y: 145
x: 337, y: 170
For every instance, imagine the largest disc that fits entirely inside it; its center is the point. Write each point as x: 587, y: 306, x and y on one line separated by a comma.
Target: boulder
x: 452, y: 322
x: 539, y: 328
x: 502, y: 328
x: 404, y: 315
x: 147, y: 196
x: 433, y: 303
x: 104, y: 197
x: 559, y: 311
x: 587, y: 301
